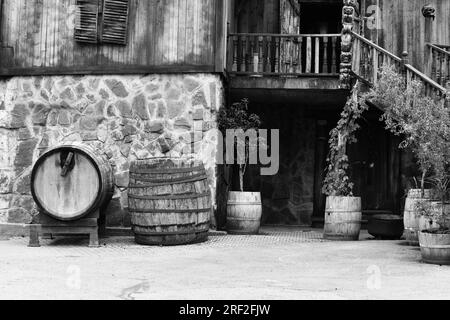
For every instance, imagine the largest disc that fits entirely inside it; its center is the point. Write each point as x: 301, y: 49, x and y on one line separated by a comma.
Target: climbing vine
x: 337, y: 181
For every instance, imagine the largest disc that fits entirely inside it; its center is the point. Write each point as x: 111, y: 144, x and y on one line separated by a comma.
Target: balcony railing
x: 369, y: 58
x: 261, y: 54
x: 438, y: 67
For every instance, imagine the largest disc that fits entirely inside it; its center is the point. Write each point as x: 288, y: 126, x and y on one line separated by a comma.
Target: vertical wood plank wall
x: 402, y: 21
x: 256, y: 16
x: 161, y: 33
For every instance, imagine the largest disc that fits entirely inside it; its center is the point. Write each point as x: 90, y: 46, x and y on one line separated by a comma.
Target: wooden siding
x: 164, y: 35
x: 403, y: 27
x: 256, y: 16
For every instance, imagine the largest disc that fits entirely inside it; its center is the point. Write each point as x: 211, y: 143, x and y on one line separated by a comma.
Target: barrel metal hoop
x: 174, y: 197
x: 242, y: 219
x: 167, y: 171
x: 169, y: 210
x: 181, y: 179
x: 244, y: 203
x: 174, y: 233
x: 345, y: 222
x: 167, y: 183
x: 435, y: 246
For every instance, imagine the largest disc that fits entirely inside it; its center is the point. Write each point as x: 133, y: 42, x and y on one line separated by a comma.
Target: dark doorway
x: 321, y: 18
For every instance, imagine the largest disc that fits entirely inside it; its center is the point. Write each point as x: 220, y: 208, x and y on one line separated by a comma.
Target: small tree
x: 424, y: 124
x: 237, y: 117
x: 435, y: 119
x: 406, y: 113
x: 337, y: 181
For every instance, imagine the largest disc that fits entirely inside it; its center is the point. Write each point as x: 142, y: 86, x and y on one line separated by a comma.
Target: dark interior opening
x: 321, y: 18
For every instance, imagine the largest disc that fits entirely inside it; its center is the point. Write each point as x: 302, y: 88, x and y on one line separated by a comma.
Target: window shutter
x: 115, y: 21
x: 86, y: 23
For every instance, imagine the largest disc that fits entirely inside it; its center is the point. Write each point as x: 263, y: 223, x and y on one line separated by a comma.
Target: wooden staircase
x: 369, y: 58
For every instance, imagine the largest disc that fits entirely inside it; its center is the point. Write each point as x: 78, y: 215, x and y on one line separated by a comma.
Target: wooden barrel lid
x: 66, y: 183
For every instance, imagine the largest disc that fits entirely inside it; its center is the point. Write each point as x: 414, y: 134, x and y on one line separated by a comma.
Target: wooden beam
x: 220, y: 35
x: 105, y: 70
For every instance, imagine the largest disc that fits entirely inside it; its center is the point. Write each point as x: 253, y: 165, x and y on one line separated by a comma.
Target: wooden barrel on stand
x: 169, y: 201
x: 71, y: 181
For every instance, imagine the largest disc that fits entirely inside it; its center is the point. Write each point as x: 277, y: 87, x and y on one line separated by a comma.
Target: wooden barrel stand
x: 70, y: 184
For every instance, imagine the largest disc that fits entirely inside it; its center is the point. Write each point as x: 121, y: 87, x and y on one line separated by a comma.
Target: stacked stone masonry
x: 126, y: 117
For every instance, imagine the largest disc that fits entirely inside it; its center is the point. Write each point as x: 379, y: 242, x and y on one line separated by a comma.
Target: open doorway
x: 321, y: 17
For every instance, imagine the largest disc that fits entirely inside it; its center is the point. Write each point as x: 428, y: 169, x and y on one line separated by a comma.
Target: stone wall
x: 126, y: 117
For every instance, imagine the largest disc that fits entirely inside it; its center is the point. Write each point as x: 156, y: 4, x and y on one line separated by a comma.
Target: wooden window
x: 102, y: 21
x: 86, y: 23
x: 115, y: 21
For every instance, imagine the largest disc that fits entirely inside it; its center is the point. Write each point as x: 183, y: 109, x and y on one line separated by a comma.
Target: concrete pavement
x: 280, y: 264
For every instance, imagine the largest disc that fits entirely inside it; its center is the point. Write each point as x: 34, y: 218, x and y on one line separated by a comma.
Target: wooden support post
x: 428, y: 50
x: 35, y: 230
x: 261, y: 55
x: 333, y: 55
x: 317, y: 56
x: 348, y: 16
x: 268, y: 62
x: 277, y: 55
x: 234, y: 68
x: 325, y: 55
x: 405, y: 61
x: 308, y: 54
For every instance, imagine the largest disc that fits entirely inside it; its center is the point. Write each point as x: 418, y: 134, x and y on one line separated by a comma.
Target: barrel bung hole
x: 67, y: 161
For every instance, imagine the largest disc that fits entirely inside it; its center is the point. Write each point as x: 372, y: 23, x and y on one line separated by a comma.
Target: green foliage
x: 436, y: 212
x: 424, y: 125
x: 237, y: 117
x: 337, y: 181
x: 422, y: 122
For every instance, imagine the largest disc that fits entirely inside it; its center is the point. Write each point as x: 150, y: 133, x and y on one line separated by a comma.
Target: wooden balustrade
x: 256, y: 54
x: 438, y: 67
x: 431, y: 87
x: 369, y: 58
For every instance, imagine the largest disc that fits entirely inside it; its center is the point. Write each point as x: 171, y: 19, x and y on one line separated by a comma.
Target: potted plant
x: 405, y: 116
x: 343, y: 211
x: 434, y: 223
x: 244, y: 209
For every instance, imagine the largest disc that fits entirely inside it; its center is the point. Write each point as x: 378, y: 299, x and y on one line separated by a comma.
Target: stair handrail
x: 439, y: 48
x: 432, y: 88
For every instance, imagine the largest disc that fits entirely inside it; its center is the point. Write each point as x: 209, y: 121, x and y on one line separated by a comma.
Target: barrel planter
x: 244, y: 211
x: 411, y: 214
x: 169, y: 201
x: 343, y: 218
x: 435, y: 248
x: 71, y: 181
x: 386, y: 227
x: 431, y: 222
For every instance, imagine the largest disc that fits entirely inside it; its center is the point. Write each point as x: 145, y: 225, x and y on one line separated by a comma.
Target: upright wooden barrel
x: 439, y: 217
x: 411, y: 214
x: 71, y: 181
x: 343, y: 218
x: 244, y: 210
x: 169, y: 201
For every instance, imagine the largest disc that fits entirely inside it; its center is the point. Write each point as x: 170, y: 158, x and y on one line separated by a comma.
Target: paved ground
x: 280, y: 264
